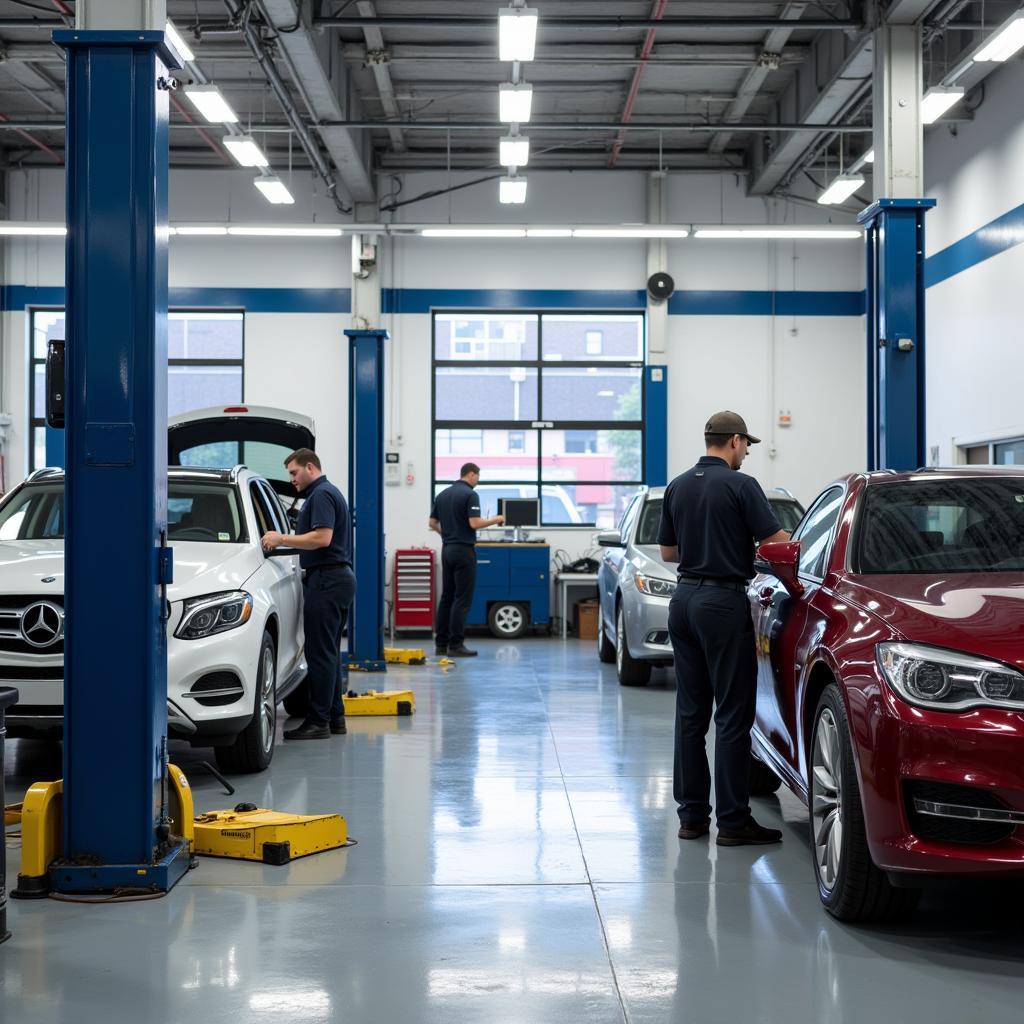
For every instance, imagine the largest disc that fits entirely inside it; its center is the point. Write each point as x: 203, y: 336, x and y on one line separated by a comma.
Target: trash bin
x: 8, y: 696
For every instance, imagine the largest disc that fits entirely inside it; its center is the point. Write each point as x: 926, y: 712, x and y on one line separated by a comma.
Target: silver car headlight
x: 654, y: 585
x: 214, y: 613
x: 931, y: 677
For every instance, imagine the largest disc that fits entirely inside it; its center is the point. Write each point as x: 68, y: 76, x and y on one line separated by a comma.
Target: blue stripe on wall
x: 726, y: 303
x: 997, y: 236
x: 252, y: 300
x: 422, y: 300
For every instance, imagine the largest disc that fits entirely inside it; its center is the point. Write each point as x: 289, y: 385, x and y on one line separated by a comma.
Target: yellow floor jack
x: 246, y: 832
x: 385, y: 702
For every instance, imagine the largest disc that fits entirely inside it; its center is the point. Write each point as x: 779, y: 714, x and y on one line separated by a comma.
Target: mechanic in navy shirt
x: 324, y: 540
x: 711, y: 516
x: 456, y: 516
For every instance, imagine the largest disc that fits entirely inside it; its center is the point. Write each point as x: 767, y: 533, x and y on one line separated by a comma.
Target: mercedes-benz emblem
x: 42, y: 624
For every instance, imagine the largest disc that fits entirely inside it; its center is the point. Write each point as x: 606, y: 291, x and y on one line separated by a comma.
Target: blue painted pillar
x: 656, y: 434
x: 894, y: 239
x: 366, y: 495
x: 116, y: 559
x: 55, y: 447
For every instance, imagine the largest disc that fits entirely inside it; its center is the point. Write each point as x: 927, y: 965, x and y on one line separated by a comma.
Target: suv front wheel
x: 253, y: 749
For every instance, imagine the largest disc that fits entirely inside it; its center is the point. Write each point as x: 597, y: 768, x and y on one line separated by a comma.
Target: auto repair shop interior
x: 551, y: 239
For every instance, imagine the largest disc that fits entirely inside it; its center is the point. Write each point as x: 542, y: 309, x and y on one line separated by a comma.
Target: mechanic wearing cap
x: 711, y: 517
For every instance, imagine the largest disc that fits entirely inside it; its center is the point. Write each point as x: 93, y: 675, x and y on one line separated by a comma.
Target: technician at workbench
x: 324, y: 539
x: 456, y: 516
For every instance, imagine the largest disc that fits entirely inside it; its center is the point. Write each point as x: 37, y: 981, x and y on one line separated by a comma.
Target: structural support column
x: 894, y: 239
x: 366, y: 496
x: 115, y: 805
x: 366, y: 303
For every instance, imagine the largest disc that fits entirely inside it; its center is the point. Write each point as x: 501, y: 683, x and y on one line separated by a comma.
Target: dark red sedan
x: 890, y: 637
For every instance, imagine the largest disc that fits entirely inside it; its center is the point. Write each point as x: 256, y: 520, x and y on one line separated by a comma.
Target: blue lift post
x: 115, y: 810
x: 366, y: 496
x: 894, y: 245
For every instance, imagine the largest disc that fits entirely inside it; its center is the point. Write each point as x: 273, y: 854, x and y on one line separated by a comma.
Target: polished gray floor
x: 517, y: 861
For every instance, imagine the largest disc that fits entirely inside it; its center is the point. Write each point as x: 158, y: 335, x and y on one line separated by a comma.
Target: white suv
x: 234, y: 632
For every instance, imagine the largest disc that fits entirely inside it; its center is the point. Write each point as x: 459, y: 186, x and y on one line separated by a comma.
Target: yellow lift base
x: 405, y: 656
x: 387, y: 702
x: 253, y: 833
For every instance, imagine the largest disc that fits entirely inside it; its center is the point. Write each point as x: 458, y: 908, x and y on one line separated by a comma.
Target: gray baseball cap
x: 727, y: 422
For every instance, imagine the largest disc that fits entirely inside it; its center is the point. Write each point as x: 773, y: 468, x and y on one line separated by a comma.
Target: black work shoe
x: 308, y: 731
x: 750, y: 834
x: 694, y: 830
x: 441, y: 650
x: 338, y: 727
x: 462, y: 651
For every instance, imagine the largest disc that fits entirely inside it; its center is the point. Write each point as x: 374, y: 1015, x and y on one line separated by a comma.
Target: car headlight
x: 654, y: 585
x: 214, y: 613
x: 931, y: 677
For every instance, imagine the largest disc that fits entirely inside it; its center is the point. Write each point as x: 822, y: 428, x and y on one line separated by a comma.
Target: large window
x: 549, y: 405
x: 205, y: 357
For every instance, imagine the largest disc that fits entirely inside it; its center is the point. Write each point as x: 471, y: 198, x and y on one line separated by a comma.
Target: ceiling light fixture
x: 869, y: 156
x: 28, y: 228
x: 285, y: 232
x: 514, y: 151
x: 1004, y: 43
x: 180, y: 47
x: 512, y: 190
x: 245, y: 151
x: 274, y: 190
x: 517, y: 33
x: 549, y: 232
x: 937, y: 100
x: 515, y: 103
x: 211, y: 104
x: 200, y: 230
x: 840, y: 189
x: 473, y: 232
x: 781, y: 232
x: 630, y: 232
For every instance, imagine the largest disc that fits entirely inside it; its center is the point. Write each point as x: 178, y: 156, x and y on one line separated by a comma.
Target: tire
x: 508, y: 620
x: 605, y: 648
x: 631, y: 671
x: 253, y: 749
x: 297, y: 702
x: 851, y: 887
x: 763, y: 781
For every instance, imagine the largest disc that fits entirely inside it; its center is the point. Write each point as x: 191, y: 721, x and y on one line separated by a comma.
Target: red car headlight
x: 932, y: 677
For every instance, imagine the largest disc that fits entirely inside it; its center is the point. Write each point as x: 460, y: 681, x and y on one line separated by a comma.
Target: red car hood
x: 980, y: 613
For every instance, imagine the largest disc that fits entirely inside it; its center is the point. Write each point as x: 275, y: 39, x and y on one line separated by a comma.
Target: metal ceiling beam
x: 614, y: 24
x: 326, y: 85
x: 382, y: 75
x: 845, y: 66
x: 755, y: 78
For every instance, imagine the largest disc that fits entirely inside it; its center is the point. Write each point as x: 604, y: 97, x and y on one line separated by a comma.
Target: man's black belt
x: 710, y: 581
x: 329, y: 565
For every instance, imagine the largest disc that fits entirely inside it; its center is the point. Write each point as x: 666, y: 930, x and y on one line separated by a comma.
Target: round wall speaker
x: 660, y: 286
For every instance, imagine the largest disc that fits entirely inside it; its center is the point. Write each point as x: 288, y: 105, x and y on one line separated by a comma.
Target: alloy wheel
x: 268, y: 705
x: 509, y: 619
x: 827, y: 799
x: 620, y: 639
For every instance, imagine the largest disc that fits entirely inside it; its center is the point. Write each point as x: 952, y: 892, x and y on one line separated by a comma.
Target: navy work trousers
x: 716, y: 664
x: 458, y: 577
x: 327, y: 595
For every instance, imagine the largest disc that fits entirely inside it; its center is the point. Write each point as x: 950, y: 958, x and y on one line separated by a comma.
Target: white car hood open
x: 199, y: 568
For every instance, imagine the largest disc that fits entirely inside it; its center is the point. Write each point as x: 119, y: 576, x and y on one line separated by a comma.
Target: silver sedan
x: 635, y: 586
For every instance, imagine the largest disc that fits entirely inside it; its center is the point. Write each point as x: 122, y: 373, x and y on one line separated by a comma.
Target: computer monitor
x: 520, y: 511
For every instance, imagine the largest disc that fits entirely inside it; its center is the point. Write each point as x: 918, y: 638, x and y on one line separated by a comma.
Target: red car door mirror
x: 784, y: 558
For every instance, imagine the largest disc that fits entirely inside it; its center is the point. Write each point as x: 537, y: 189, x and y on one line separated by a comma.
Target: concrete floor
x: 517, y: 861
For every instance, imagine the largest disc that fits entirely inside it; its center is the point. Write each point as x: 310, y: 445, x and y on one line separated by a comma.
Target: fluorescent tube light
x: 180, y: 47
x: 779, y: 232
x: 514, y: 151
x: 274, y: 190
x: 473, y: 232
x: 840, y: 189
x: 630, y: 232
x: 512, y: 190
x: 200, y: 229
x: 290, y: 232
x: 517, y: 33
x: 209, y: 102
x: 1005, y: 42
x: 27, y: 228
x: 869, y: 156
x: 245, y: 151
x: 515, y: 103
x: 937, y: 100
x: 549, y: 232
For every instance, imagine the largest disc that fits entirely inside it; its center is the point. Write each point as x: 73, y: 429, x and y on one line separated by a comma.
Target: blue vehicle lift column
x: 366, y: 496
x: 894, y: 240
x: 115, y: 806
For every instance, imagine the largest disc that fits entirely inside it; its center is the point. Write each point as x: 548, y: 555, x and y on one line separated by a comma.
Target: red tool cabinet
x: 415, y: 594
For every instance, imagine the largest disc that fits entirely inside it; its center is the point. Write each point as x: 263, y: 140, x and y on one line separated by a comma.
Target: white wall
x: 975, y: 333
x: 811, y: 367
